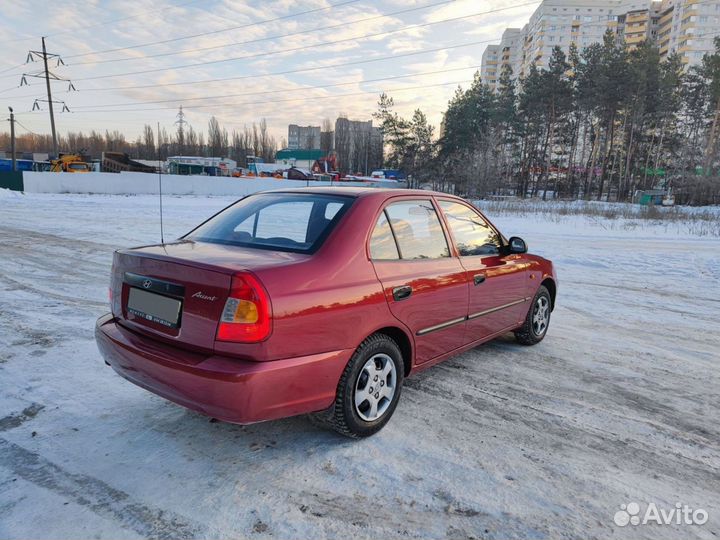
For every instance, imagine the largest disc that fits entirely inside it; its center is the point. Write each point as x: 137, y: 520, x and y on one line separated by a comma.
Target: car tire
x: 368, y: 390
x: 537, y: 321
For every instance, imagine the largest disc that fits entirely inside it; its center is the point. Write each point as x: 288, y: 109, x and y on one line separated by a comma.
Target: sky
x: 286, y: 61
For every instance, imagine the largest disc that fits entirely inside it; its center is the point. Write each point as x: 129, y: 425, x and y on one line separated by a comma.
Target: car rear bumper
x: 238, y: 391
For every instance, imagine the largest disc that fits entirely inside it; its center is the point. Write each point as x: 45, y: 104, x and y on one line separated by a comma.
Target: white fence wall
x: 132, y: 183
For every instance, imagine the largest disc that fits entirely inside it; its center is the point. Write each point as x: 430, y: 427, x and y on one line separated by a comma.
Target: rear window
x: 297, y: 222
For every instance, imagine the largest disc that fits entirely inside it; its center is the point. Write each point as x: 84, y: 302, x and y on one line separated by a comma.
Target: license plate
x: 154, y: 307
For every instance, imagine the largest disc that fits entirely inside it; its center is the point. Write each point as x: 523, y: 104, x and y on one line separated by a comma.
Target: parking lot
x: 619, y: 404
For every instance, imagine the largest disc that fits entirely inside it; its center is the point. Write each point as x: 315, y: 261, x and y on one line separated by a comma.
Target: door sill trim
x: 498, y: 308
x: 441, y: 326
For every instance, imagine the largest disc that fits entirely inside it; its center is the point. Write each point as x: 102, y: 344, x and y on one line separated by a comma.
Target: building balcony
x: 635, y: 38
x: 636, y: 17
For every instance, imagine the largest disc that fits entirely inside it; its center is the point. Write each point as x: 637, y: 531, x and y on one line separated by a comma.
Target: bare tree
x: 326, y: 136
x: 149, y: 142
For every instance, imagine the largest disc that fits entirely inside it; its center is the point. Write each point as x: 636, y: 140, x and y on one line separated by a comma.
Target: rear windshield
x: 297, y: 222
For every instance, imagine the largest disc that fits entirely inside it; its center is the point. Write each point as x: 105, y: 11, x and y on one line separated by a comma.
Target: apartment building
x: 303, y: 137
x: 688, y: 27
x: 685, y: 26
x: 508, y: 52
x: 359, y: 145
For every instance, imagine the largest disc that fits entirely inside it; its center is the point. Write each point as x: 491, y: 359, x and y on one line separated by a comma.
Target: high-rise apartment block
x: 303, y: 137
x: 359, y: 145
x: 687, y: 27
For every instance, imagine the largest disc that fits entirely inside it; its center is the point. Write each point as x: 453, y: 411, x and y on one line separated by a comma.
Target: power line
x: 284, y: 90
x: 196, y: 35
x: 291, y: 34
x: 304, y: 47
x: 103, y: 23
x: 12, y: 88
x: 292, y: 71
x: 212, y: 32
x: 237, y: 104
x: 11, y: 68
x: 26, y: 129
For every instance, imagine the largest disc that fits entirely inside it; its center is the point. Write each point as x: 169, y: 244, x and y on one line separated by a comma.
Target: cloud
x: 283, y: 98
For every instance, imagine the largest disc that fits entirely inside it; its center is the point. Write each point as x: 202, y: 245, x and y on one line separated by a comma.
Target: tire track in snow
x: 99, y: 497
x: 81, y: 302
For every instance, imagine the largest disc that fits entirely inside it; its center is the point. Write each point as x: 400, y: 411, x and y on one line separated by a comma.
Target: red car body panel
x: 440, y: 295
x: 229, y: 389
x: 323, y: 306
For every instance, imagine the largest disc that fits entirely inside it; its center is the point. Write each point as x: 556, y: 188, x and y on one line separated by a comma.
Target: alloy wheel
x: 375, y: 387
x: 541, y: 315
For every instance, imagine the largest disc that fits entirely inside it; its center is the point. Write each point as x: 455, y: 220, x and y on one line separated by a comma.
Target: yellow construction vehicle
x: 72, y: 163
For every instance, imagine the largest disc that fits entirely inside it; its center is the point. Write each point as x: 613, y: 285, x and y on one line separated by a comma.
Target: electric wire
x: 284, y: 90
x: 301, y: 48
x: 279, y: 36
x: 213, y: 32
x: 238, y: 104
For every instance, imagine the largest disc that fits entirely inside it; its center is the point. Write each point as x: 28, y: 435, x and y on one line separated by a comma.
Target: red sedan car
x: 318, y: 300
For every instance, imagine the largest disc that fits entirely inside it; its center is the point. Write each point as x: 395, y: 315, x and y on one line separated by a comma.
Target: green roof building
x: 298, y: 155
x: 302, y: 159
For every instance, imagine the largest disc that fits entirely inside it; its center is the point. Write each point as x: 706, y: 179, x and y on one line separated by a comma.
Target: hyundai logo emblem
x: 147, y: 284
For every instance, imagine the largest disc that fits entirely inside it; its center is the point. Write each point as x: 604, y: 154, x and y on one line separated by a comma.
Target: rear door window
x: 417, y: 229
x: 382, y: 243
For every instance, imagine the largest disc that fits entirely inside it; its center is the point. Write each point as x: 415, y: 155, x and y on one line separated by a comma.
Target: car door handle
x: 479, y: 279
x: 401, y: 293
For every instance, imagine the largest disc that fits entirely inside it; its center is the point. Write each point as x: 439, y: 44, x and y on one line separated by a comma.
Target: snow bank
x: 8, y: 194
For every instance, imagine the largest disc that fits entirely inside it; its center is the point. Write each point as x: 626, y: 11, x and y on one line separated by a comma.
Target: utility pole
x: 47, y: 75
x: 49, y: 97
x: 12, y: 139
x: 181, y: 129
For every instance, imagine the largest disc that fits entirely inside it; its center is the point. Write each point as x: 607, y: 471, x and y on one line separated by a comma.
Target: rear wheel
x: 537, y: 320
x: 368, y: 391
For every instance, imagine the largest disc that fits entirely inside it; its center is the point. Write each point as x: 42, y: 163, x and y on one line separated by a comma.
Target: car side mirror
x: 517, y: 245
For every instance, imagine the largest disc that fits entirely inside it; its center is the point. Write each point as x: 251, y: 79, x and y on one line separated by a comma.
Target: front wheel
x: 537, y: 320
x: 368, y: 391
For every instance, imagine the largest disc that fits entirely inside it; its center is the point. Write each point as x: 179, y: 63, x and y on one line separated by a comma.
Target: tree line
x: 252, y: 140
x: 599, y: 123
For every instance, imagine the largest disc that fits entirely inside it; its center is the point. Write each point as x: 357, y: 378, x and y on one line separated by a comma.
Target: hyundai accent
x: 318, y: 300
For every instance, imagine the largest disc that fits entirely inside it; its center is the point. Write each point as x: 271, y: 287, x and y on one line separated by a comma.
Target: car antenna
x: 162, y: 236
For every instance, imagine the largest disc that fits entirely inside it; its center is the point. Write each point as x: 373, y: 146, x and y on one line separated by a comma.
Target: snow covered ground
x: 619, y: 404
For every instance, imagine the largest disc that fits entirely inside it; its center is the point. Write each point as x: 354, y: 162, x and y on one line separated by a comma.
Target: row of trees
x: 601, y: 123
x: 251, y: 140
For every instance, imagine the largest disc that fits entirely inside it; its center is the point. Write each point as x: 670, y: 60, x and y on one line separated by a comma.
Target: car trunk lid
x: 176, y: 292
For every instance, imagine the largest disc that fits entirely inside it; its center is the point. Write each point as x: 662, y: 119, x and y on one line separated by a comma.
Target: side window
x: 246, y: 226
x: 417, y: 230
x: 331, y: 209
x: 471, y: 232
x: 382, y: 243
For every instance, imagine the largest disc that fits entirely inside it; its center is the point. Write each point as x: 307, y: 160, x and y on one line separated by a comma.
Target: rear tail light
x: 247, y: 316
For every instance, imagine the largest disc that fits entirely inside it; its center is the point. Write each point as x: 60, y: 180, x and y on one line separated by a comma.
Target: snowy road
x: 619, y: 404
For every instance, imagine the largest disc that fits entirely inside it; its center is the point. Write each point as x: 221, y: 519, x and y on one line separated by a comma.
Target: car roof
x: 355, y: 191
